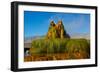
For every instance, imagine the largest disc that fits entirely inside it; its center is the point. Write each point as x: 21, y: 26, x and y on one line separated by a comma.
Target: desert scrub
x: 78, y: 48
x: 75, y: 48
x: 57, y: 45
x: 50, y: 46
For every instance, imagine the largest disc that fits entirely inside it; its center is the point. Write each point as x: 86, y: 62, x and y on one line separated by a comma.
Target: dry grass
x: 58, y: 49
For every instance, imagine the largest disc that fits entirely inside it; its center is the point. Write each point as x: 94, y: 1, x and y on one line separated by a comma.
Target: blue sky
x: 37, y: 23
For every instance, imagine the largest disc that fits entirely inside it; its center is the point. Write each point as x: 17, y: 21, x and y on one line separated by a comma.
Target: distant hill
x: 84, y: 36
x: 28, y: 40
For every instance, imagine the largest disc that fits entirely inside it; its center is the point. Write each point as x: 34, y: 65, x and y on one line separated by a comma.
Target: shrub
x: 48, y: 46
x: 80, y: 46
x: 74, y: 47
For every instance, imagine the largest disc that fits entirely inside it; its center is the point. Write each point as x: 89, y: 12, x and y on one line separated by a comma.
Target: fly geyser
x: 56, y: 31
x: 57, y: 45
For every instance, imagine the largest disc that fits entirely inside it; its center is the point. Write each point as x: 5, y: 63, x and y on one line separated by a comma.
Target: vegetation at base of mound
x: 73, y: 47
x: 49, y: 46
